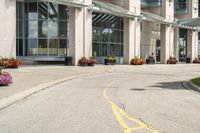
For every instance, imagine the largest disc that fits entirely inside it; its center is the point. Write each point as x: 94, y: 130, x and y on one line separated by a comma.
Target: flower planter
x: 110, y: 61
x: 83, y: 64
x: 196, y: 61
x: 90, y: 64
x: 171, y: 62
x: 5, y: 78
x: 150, y: 61
x: 137, y: 61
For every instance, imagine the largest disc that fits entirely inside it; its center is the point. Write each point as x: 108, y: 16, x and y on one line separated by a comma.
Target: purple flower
x: 5, y: 79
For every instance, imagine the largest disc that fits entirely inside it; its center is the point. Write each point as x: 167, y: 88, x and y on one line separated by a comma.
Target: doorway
x: 182, y: 45
x: 158, y: 51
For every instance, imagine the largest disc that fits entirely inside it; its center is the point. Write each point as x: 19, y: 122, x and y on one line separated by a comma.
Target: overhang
x: 108, y: 8
x: 189, y: 23
x: 148, y: 16
x: 73, y: 3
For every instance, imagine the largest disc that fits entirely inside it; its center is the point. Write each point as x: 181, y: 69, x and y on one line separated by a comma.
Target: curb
x: 6, y: 102
x: 193, y: 86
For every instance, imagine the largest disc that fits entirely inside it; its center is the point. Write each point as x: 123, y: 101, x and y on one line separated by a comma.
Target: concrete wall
x: 7, y: 28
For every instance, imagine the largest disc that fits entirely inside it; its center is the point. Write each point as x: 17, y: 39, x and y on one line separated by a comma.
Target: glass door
x: 182, y: 49
x: 157, y: 50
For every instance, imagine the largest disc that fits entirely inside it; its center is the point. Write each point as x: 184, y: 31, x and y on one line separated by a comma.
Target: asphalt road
x: 128, y: 99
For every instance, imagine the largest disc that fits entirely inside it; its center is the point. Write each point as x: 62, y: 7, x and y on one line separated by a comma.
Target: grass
x: 196, y: 81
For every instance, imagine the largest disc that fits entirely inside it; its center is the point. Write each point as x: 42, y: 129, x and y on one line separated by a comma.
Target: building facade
x: 49, y: 30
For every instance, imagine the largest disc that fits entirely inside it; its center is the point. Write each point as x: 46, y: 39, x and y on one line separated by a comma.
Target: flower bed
x: 137, y: 61
x: 5, y: 78
x: 10, y: 62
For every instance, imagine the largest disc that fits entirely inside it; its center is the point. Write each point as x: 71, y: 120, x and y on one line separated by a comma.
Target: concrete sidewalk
x: 27, y: 77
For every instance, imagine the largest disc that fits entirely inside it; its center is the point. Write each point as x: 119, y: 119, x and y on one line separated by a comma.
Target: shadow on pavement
x: 176, y: 85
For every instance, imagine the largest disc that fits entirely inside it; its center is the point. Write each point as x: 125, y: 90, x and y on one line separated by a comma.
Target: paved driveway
x: 127, y: 99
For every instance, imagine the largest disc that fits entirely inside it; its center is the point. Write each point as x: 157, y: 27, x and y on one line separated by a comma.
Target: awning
x: 189, y: 23
x: 148, y: 16
x: 73, y: 3
x: 105, y: 7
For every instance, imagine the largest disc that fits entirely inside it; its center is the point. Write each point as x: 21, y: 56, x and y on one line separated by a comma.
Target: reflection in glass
x: 42, y: 28
x: 33, y: 47
x: 42, y: 47
x: 33, y: 11
x: 33, y: 29
x: 53, y: 46
x: 107, y: 35
x: 43, y: 10
x: 53, y: 11
x: 63, y: 29
x: 63, y: 47
x: 63, y: 12
x: 53, y: 29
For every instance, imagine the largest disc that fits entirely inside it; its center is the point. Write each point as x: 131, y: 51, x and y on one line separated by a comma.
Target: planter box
x: 90, y: 64
x: 109, y: 62
x: 83, y: 64
x: 150, y: 61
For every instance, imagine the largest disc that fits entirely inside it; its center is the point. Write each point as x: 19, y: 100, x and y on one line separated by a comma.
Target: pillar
x: 192, y: 44
x: 80, y: 32
x: 131, y: 32
x: 167, y: 31
x: 7, y: 28
x: 176, y: 42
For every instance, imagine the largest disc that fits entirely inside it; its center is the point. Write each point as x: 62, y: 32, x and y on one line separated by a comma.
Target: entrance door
x: 157, y: 50
x: 182, y: 49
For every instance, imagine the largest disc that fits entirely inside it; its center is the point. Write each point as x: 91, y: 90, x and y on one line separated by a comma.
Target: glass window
x: 33, y: 29
x: 63, y: 29
x: 107, y: 31
x: 53, y: 29
x: 63, y: 12
x: 21, y: 48
x: 33, y: 11
x: 42, y: 28
x: 33, y: 47
x: 42, y: 47
x: 53, y: 46
x: 53, y: 11
x: 63, y: 47
x: 43, y: 10
x: 20, y: 29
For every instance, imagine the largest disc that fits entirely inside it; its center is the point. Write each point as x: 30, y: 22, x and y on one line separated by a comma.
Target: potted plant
x: 83, y: 61
x: 5, y: 78
x: 92, y: 61
x: 137, y: 61
x: 172, y: 60
x: 196, y: 61
x: 110, y: 60
x: 150, y: 59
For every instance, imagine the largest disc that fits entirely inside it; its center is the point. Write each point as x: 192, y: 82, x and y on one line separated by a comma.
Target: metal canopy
x: 148, y: 16
x: 73, y: 3
x: 105, y: 7
x: 189, y: 23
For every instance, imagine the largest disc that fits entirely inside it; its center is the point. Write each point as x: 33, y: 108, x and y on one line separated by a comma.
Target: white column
x: 176, y: 42
x: 87, y: 30
x: 7, y: 28
x: 75, y: 34
x: 131, y: 32
x: 192, y: 44
x: 167, y: 31
x: 192, y: 36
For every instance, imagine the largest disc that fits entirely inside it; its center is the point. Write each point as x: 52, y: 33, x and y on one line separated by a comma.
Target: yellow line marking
x: 120, y: 113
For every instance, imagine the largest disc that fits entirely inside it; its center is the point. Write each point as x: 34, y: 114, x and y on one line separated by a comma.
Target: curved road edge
x: 6, y: 102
